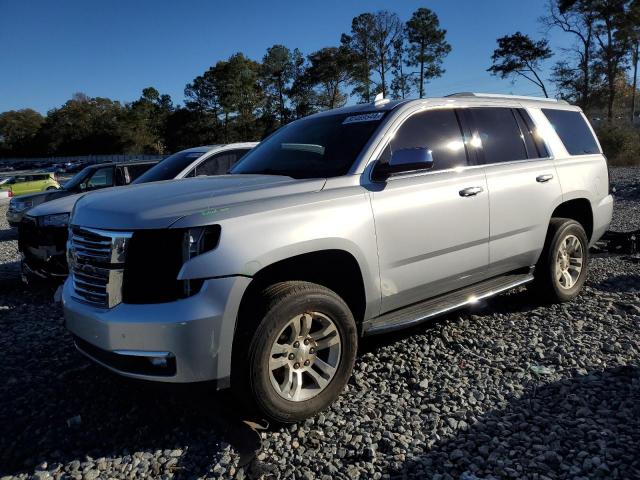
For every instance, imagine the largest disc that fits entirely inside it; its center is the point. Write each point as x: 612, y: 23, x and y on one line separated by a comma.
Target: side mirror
x: 411, y: 159
x: 404, y: 160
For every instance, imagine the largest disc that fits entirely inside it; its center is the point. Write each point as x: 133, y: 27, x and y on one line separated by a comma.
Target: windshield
x: 171, y: 166
x: 316, y: 147
x: 77, y: 179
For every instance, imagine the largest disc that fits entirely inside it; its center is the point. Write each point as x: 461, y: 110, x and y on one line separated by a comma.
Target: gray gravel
x: 507, y: 390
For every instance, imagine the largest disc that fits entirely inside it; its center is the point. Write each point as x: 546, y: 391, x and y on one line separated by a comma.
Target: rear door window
x: 220, y: 163
x: 135, y: 171
x: 573, y: 130
x: 528, y: 128
x: 497, y: 135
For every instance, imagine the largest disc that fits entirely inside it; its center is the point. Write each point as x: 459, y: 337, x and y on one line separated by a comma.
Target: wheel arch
x: 336, y: 269
x: 578, y: 209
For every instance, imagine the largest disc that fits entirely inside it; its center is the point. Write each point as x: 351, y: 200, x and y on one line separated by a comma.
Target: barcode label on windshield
x: 365, y: 117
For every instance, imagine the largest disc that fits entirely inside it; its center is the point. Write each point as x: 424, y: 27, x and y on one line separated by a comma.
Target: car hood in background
x: 59, y: 205
x: 160, y: 204
x: 41, y: 197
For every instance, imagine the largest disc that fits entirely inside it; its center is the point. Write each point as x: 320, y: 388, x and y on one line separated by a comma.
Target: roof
x: 462, y: 98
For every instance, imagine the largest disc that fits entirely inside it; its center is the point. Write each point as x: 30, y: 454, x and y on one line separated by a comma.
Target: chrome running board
x: 419, y: 312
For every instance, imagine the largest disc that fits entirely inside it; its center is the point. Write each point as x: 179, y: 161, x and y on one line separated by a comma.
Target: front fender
x: 253, y: 241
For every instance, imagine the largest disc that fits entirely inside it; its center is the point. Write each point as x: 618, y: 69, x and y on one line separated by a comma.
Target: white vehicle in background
x: 42, y: 233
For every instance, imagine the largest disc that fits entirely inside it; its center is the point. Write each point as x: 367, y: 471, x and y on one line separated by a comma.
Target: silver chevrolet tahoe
x: 347, y: 223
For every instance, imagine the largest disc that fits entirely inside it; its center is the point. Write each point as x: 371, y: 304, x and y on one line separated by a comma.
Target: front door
x: 432, y: 225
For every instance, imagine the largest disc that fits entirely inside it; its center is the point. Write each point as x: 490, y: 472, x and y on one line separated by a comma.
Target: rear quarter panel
x: 580, y: 176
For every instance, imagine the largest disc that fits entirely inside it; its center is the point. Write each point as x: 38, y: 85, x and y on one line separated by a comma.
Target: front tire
x: 301, y: 354
x: 562, y: 268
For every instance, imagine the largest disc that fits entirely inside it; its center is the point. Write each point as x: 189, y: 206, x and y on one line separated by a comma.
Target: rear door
x: 432, y: 226
x: 523, y: 185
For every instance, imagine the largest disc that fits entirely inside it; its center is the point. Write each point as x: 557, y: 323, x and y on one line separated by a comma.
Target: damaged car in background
x: 94, y: 177
x: 42, y: 231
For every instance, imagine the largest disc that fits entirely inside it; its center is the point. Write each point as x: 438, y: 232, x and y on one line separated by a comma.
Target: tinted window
x: 103, y: 177
x: 135, y: 171
x: 535, y: 145
x: 573, y: 131
x: 171, y: 166
x: 435, y: 130
x: 314, y: 147
x: 499, y: 135
x: 78, y: 178
x: 219, y: 164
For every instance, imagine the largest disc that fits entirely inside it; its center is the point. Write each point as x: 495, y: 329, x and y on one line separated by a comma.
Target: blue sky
x: 51, y: 49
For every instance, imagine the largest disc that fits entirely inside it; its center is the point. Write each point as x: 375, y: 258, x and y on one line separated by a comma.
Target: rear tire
x: 300, y: 355
x: 562, y: 268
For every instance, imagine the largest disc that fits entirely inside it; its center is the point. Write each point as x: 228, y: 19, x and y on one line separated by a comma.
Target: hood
x: 40, y: 197
x: 59, y: 205
x: 160, y: 204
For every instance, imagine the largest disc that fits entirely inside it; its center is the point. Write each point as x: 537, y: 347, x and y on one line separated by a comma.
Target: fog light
x: 160, y: 362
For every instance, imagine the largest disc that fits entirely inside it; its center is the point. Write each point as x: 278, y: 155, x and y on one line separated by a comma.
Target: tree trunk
x: 586, y: 84
x: 367, y: 71
x: 541, y: 83
x: 421, y: 69
x: 384, y: 86
x: 280, y: 88
x: 634, y: 83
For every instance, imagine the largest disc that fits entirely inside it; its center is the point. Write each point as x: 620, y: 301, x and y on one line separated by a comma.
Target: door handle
x: 470, y: 191
x: 544, y: 178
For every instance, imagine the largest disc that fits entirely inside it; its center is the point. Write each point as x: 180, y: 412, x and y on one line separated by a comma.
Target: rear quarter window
x: 573, y: 130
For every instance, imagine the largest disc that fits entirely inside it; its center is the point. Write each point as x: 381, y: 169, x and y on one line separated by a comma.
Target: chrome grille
x: 96, y: 263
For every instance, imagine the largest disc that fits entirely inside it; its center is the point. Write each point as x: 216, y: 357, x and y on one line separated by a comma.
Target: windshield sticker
x: 365, y: 117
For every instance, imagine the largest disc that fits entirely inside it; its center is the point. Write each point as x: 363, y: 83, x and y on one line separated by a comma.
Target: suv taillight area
x: 606, y: 161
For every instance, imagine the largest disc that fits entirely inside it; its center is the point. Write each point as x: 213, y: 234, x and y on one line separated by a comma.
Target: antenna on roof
x: 380, y: 100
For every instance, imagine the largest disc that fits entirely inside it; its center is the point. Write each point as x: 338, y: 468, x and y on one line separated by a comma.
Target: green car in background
x: 29, y: 183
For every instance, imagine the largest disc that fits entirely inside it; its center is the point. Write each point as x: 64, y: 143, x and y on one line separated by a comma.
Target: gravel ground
x: 507, y: 390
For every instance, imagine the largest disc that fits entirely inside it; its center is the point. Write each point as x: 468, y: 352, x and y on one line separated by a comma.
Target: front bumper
x: 195, y: 334
x: 14, y: 217
x: 43, y: 250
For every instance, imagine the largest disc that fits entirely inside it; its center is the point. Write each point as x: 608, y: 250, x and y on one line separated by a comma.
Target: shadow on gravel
x: 515, y: 302
x: 620, y: 283
x: 88, y: 412
x: 582, y: 427
x: 10, y: 276
x: 57, y: 406
x: 8, y: 234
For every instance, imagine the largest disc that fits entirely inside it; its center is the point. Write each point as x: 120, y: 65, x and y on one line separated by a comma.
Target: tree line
x: 598, y: 71
x: 243, y: 99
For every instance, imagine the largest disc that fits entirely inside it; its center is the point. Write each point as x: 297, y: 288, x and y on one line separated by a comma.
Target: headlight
x: 154, y: 259
x: 57, y: 220
x: 20, y: 205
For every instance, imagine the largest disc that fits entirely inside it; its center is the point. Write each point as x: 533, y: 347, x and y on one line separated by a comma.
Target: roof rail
x: 506, y: 97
